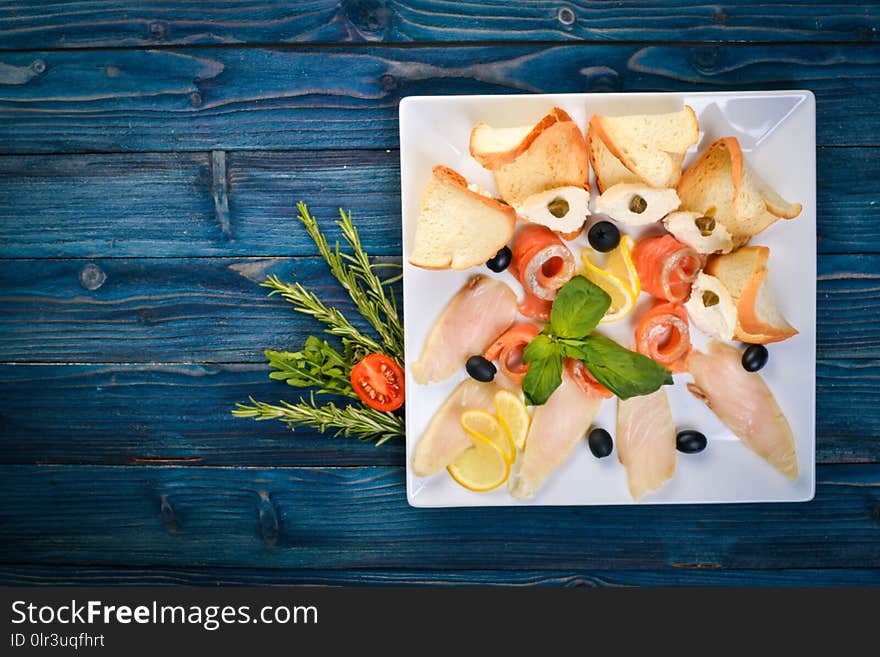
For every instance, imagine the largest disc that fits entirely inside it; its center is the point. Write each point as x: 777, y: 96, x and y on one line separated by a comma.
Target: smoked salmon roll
x: 585, y: 379
x: 543, y: 264
x: 508, y: 351
x: 667, y: 268
x: 663, y: 335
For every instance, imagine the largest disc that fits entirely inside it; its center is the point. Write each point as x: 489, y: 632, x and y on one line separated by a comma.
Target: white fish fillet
x: 478, y: 313
x: 646, y: 441
x: 557, y: 428
x: 444, y: 439
x: 745, y: 404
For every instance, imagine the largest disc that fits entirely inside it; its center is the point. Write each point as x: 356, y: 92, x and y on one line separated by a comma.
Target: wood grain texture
x: 160, y: 204
x: 75, y: 24
x: 179, y: 414
x: 259, y: 99
x: 196, y: 310
x: 160, y: 415
x: 358, y: 518
x: 63, y: 575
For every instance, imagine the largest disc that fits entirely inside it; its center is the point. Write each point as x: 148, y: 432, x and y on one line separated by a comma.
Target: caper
x: 705, y: 224
x: 637, y: 204
x: 558, y: 207
x: 710, y: 298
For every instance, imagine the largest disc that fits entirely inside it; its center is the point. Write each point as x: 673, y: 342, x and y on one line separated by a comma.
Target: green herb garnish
x: 576, y: 311
x: 319, y: 366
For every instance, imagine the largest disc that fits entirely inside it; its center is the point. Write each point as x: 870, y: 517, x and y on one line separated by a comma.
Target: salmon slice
x: 662, y: 335
x: 444, y: 439
x: 585, y: 379
x: 744, y: 403
x: 666, y: 267
x: 557, y: 428
x: 543, y: 264
x: 478, y: 313
x: 508, y: 351
x: 646, y: 441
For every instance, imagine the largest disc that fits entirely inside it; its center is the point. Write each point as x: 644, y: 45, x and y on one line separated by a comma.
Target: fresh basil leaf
x: 543, y: 377
x: 572, y: 348
x: 624, y: 372
x: 541, y: 346
x: 577, y: 308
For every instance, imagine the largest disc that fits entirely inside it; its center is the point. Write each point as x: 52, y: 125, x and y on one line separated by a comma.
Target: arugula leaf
x: 577, y: 308
x: 624, y: 372
x: 545, y: 372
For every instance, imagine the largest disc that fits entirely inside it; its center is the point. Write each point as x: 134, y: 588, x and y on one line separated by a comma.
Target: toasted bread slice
x: 458, y: 228
x: 620, y: 202
x: 744, y: 274
x: 608, y: 169
x: 722, y: 184
x: 652, y: 146
x: 552, y: 154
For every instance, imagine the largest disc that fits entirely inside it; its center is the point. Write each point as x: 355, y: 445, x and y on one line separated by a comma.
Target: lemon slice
x: 618, y: 278
x: 481, y: 467
x: 514, y: 417
x: 482, y: 424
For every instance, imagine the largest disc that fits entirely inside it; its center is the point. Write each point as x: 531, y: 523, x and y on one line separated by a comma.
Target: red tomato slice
x: 378, y: 381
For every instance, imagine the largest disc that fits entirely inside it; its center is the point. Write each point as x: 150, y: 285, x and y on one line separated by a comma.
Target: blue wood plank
x: 158, y: 205
x: 358, y: 518
x: 76, y: 24
x: 212, y: 310
x: 167, y: 414
x: 160, y: 415
x: 62, y: 575
x: 294, y: 98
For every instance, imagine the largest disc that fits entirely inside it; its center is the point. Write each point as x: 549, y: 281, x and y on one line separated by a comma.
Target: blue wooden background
x: 150, y: 158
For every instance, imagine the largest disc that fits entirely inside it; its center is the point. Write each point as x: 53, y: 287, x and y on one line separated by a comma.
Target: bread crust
x: 494, y: 161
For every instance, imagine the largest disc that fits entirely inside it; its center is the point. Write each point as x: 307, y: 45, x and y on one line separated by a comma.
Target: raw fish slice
x: 646, y: 441
x: 557, y: 428
x: 744, y: 403
x: 478, y: 313
x: 444, y: 439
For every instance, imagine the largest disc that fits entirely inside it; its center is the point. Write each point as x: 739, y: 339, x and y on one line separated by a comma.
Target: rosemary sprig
x: 358, y: 421
x: 319, y: 366
x: 356, y: 275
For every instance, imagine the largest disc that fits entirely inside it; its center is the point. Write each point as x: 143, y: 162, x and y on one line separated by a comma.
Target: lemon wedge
x: 513, y: 416
x: 481, y: 467
x: 484, y: 425
x: 618, y: 277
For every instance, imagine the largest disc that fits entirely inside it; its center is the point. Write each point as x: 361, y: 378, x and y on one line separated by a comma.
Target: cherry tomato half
x: 378, y: 381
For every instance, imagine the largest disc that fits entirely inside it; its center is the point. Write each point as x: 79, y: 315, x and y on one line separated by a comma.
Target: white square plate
x: 777, y: 132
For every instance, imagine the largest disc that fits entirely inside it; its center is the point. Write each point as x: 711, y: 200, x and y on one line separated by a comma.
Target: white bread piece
x: 615, y: 203
x: 683, y: 227
x: 535, y: 208
x: 744, y: 274
x: 552, y: 154
x: 608, y: 169
x: 458, y: 228
x: 718, y: 320
x: 723, y: 184
x: 652, y: 146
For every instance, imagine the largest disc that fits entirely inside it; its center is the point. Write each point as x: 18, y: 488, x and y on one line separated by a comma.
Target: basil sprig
x: 577, y: 309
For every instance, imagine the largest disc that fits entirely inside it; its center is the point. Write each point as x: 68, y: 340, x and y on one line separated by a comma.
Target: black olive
x: 690, y: 441
x: 480, y: 369
x: 604, y: 236
x: 600, y: 443
x: 501, y: 260
x: 754, y: 357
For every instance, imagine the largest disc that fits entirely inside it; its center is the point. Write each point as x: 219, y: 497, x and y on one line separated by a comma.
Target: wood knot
x: 388, y: 82
x: 566, y: 16
x: 195, y: 99
x: 38, y: 66
x: 168, y: 515
x: 158, y: 30
x: 370, y: 17
x: 706, y: 60
x: 270, y: 527
x: 112, y: 71
x: 91, y: 277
